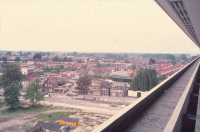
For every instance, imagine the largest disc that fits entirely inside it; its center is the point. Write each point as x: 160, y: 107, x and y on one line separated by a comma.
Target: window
x: 50, y: 90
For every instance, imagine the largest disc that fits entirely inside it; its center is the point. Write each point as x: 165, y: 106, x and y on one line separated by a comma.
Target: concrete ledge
x: 175, y: 122
x: 123, y: 119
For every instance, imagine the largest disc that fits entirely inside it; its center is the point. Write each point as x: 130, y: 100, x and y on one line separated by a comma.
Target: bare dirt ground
x: 24, y: 121
x: 16, y: 123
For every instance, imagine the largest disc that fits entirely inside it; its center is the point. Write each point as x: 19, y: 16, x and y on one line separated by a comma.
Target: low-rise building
x: 69, y: 121
x: 50, y: 84
x: 51, y: 127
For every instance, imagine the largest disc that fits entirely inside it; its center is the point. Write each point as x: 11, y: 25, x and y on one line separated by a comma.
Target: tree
x: 42, y: 53
x: 174, y: 63
x: 183, y: 57
x: 24, y: 54
x: 74, y: 69
x: 65, y: 59
x: 57, y: 70
x: 17, y: 59
x: 4, y: 59
x: 125, y: 55
x: 96, y: 60
x: 37, y: 56
x: 83, y: 84
x: 152, y: 61
x: 11, y: 96
x: 145, y: 80
x: 11, y: 74
x: 133, y: 67
x: 193, y: 57
x: 70, y: 59
x: 33, y: 92
x: 56, y: 59
x: 37, y: 59
x: 126, y: 61
x: 79, y: 61
x: 28, y: 53
x: 98, y: 64
x: 62, y: 66
x: 74, y: 53
x: 48, y: 53
x: 46, y: 59
x: 20, y: 53
x: 8, y: 53
x: 62, y: 82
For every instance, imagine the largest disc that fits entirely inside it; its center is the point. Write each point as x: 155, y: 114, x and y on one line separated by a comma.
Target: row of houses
x: 167, y: 69
x: 50, y: 81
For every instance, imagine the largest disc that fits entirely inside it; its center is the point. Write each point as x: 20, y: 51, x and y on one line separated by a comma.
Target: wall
x: 134, y: 93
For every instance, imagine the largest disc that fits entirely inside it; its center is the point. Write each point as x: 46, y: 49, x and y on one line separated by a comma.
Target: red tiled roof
x: 52, y: 79
x: 78, y: 64
x: 68, y: 64
x: 93, y: 63
x: 64, y: 75
x: 30, y: 78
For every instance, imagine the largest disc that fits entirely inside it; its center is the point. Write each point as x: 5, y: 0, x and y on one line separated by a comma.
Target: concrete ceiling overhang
x: 186, y: 14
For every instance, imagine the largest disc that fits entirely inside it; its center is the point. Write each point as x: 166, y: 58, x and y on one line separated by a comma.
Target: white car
x: 122, y: 106
x: 46, y: 96
x: 74, y: 94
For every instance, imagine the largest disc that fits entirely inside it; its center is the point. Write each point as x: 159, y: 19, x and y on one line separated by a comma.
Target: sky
x: 132, y: 26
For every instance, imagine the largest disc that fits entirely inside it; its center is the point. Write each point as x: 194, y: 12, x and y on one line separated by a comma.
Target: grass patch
x: 28, y: 128
x: 83, y: 113
x: 87, y: 113
x: 1, y: 104
x: 54, y: 116
x: 62, y: 108
x: 91, y: 113
x: 20, y: 110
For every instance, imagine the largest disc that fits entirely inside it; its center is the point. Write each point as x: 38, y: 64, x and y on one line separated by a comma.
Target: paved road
x: 93, y: 106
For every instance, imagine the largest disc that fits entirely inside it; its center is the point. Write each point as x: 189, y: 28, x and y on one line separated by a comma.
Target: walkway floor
x: 156, y: 117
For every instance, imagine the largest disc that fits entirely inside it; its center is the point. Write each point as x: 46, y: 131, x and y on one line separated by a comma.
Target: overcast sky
x: 90, y: 26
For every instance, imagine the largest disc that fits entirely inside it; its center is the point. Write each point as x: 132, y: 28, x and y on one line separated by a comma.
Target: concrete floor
x: 156, y: 117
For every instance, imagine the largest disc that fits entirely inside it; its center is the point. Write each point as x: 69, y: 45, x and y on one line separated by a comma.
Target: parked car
x: 44, y: 104
x: 69, y: 94
x: 74, y: 94
x: 46, y: 95
x: 22, y: 95
x: 113, y: 105
x: 122, y: 106
x: 24, y: 105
